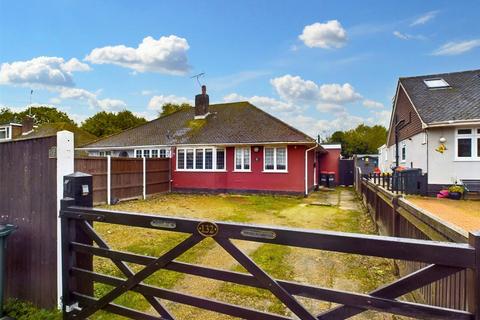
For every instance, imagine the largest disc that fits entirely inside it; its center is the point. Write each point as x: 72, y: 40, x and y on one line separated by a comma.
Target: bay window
x: 242, y: 159
x: 201, y: 159
x: 467, y: 144
x: 275, y: 159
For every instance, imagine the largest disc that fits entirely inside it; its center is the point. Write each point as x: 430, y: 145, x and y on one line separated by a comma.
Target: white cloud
x: 46, y: 72
x: 324, y: 35
x: 107, y: 104
x: 330, y: 108
x: 166, y: 55
x: 156, y: 102
x: 406, y: 36
x: 424, y: 18
x: 147, y: 92
x: 266, y: 103
x: 111, y: 105
x: 338, y: 93
x: 300, y: 91
x: 372, y: 104
x: 454, y: 48
x: 293, y: 88
x: 381, y: 117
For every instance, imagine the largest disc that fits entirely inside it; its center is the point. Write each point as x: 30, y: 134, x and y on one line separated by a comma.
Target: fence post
x: 375, y: 202
x: 395, y: 216
x: 144, y: 177
x: 78, y: 191
x: 65, y: 165
x: 109, y: 180
x: 473, y: 277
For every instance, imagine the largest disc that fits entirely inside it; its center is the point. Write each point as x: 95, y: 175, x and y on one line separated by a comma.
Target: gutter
x: 452, y: 123
x: 306, y: 167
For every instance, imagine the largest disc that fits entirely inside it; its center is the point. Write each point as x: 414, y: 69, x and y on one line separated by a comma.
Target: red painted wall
x: 293, y: 181
x: 329, y: 162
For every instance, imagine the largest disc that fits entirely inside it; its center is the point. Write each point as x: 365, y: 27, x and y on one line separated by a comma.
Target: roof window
x: 437, y: 83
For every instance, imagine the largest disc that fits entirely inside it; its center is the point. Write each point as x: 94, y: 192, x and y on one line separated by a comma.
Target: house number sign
x: 207, y: 229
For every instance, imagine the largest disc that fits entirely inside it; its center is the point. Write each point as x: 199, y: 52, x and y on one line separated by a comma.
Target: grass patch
x: 271, y: 258
x: 22, y: 310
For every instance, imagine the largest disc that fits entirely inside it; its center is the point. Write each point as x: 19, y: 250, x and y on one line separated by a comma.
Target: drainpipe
x: 306, y: 168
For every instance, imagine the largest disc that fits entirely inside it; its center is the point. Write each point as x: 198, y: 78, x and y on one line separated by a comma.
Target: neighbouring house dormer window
x: 5, y: 133
x: 201, y: 159
x: 105, y: 153
x: 275, y: 159
x: 152, y: 153
x: 467, y: 144
x: 242, y: 159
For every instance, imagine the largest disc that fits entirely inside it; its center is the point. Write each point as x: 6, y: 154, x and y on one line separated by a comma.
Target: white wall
x: 443, y: 169
x: 416, y: 154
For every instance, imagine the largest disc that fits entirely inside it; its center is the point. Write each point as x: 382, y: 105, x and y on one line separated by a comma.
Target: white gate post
x: 144, y: 178
x: 65, y: 165
x: 109, y: 180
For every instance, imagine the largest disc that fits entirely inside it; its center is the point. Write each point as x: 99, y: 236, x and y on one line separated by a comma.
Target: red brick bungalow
x: 230, y: 147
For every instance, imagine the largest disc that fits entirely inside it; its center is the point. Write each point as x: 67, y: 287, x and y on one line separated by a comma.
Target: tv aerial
x: 197, y: 76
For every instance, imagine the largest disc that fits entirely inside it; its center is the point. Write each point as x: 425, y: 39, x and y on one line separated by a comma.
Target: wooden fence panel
x: 97, y: 167
x: 126, y: 176
x: 158, y: 175
x: 28, y: 199
x: 450, y: 292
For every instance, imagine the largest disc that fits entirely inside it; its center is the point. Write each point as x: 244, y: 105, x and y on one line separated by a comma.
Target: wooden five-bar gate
x: 442, y: 260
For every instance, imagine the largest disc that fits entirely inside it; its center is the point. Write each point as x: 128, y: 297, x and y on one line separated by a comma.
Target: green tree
x: 106, y: 123
x: 7, y: 115
x: 361, y: 140
x: 41, y: 114
x: 169, y: 108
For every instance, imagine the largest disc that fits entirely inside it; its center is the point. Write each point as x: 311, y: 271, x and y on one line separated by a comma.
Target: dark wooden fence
x: 28, y: 200
x: 395, y: 216
x: 405, y: 182
x: 127, y: 177
x: 440, y: 260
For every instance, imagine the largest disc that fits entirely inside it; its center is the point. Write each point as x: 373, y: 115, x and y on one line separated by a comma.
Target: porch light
x: 442, y: 139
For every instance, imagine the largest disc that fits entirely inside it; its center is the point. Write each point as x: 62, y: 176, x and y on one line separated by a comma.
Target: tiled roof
x: 460, y: 101
x: 50, y: 129
x: 229, y: 123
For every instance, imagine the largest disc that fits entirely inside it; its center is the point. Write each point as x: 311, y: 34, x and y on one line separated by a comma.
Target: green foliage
x: 361, y: 140
x: 21, y: 310
x: 41, y: 114
x: 456, y: 188
x: 169, y: 108
x: 107, y: 123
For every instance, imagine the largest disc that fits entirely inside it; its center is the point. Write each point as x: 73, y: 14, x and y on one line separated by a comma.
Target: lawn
x: 340, y: 271
x: 462, y: 213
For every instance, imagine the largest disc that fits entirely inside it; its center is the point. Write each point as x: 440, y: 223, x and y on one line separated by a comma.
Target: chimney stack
x: 27, y: 125
x: 201, y: 104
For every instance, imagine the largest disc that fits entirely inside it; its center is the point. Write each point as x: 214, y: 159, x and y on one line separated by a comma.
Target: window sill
x: 466, y: 160
x: 275, y: 171
x: 195, y: 170
x: 242, y: 171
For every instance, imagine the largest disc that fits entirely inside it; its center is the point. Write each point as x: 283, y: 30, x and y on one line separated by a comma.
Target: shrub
x: 456, y: 188
x: 22, y: 310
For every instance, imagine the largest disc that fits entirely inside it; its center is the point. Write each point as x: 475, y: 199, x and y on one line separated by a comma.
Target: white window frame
x: 242, y: 164
x: 275, y: 170
x: 105, y: 153
x: 8, y: 132
x: 214, y: 159
x: 474, y: 135
x: 165, y: 151
x: 403, y: 155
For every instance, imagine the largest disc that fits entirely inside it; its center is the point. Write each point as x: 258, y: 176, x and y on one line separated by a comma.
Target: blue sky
x: 320, y: 66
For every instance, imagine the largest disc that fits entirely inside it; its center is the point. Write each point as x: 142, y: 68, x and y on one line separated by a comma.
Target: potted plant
x: 455, y: 192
